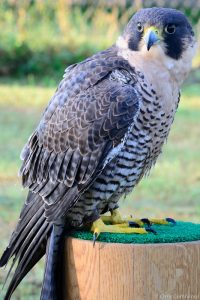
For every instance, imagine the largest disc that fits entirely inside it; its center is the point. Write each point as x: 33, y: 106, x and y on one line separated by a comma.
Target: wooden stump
x: 111, y: 271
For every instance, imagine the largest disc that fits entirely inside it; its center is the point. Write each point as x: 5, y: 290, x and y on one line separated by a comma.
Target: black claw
x: 149, y: 229
x: 170, y: 220
x: 95, y: 235
x: 146, y: 221
x: 134, y: 224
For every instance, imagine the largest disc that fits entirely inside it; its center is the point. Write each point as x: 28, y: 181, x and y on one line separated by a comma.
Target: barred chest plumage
x: 135, y: 157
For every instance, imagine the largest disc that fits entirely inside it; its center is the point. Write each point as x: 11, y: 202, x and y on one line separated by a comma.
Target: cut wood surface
x: 131, y: 271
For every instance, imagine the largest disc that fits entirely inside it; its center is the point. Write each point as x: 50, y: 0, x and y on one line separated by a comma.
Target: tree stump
x: 114, y: 271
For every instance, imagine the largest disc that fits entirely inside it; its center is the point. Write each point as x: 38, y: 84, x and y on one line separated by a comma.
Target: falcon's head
x: 161, y: 33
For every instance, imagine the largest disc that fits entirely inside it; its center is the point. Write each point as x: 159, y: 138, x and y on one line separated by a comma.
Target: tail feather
x: 26, y: 263
x: 27, y: 214
x: 51, y: 288
x: 28, y: 242
x: 28, y: 252
x: 25, y: 237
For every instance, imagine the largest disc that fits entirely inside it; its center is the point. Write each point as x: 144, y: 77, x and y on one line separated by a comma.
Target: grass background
x: 38, y: 41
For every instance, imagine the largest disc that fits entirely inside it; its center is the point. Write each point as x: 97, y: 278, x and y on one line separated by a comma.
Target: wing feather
x: 89, y: 114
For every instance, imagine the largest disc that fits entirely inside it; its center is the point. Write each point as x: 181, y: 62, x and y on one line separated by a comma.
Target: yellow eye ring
x: 140, y: 28
x: 170, y: 29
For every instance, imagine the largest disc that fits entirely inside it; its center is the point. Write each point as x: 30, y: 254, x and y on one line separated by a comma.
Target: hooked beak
x: 151, y: 37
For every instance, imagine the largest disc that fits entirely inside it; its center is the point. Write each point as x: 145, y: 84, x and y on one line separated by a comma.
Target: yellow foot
x: 116, y: 218
x: 118, y: 224
x: 99, y: 226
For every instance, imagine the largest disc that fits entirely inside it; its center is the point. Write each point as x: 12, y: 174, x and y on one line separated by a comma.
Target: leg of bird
x: 99, y: 226
x: 115, y: 223
x: 116, y: 218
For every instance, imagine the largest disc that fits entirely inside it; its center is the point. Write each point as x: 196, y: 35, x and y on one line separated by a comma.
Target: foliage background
x: 38, y: 39
x: 41, y: 37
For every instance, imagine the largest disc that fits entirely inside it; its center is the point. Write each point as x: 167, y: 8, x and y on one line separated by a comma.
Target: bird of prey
x: 100, y: 134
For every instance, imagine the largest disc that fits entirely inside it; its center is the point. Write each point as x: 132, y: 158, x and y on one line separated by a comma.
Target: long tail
x: 28, y: 242
x: 52, y: 288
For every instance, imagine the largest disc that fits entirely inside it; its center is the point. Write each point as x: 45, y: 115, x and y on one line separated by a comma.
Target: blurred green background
x: 38, y: 39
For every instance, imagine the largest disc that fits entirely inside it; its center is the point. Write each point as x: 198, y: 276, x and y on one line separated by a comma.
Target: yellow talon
x: 117, y: 224
x: 98, y: 226
x: 116, y: 218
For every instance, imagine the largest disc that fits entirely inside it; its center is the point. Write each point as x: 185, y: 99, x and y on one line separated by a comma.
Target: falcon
x: 101, y: 132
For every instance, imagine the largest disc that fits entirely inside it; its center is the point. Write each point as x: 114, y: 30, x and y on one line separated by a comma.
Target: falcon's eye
x: 140, y: 28
x: 170, y: 28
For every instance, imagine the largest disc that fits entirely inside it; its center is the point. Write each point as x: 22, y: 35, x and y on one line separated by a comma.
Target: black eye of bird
x: 170, y: 28
x: 140, y: 28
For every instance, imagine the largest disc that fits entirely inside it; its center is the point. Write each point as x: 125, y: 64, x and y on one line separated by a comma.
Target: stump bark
x: 112, y: 271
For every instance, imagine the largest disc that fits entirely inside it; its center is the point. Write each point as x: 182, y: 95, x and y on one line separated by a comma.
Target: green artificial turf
x: 181, y: 232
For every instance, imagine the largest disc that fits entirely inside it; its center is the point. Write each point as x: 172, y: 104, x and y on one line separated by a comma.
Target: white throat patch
x: 157, y: 59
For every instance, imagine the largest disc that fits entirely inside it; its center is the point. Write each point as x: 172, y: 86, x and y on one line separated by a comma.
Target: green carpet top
x: 181, y: 232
